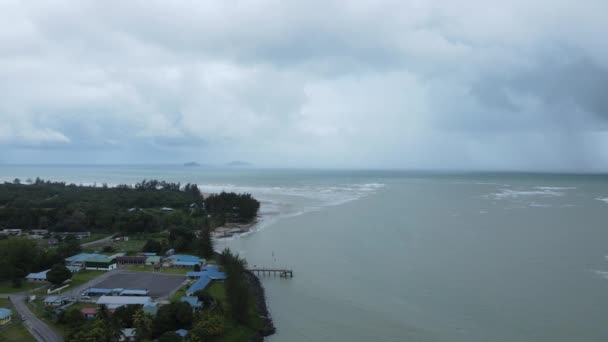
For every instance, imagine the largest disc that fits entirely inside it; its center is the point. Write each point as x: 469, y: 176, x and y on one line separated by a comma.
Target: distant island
x: 238, y: 163
x: 192, y: 164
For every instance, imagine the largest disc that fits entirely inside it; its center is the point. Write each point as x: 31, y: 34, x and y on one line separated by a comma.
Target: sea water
x: 402, y: 256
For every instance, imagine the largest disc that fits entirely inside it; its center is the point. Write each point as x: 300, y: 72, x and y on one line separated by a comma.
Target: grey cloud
x: 363, y: 84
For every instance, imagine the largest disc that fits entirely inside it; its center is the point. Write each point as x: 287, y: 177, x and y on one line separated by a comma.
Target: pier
x: 283, y: 273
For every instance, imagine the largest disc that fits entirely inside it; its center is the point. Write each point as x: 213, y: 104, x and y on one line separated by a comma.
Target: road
x: 40, y: 330
x: 96, y: 242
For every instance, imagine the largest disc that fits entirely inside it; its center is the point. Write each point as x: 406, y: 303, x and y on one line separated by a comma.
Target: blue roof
x: 198, y: 285
x: 193, y: 301
x: 213, y: 268
x: 149, y: 254
x: 98, y: 290
x: 5, y: 313
x: 185, y: 257
x: 182, y: 332
x: 39, y: 275
x: 134, y: 293
x: 82, y: 257
x: 211, y: 273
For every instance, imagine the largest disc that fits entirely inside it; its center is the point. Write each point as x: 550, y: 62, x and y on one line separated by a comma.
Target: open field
x: 14, y: 331
x: 159, y: 285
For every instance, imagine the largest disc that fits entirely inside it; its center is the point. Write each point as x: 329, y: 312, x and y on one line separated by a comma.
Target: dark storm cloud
x: 428, y: 84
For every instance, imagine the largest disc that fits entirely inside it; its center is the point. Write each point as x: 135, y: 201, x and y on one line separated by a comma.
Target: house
x: 52, y: 242
x: 166, y: 209
x: 113, y: 302
x: 131, y: 260
x: 148, y: 254
x: 153, y: 260
x: 211, y: 271
x: 102, y: 264
x: 141, y: 293
x: 198, y: 285
x: 89, y: 313
x: 55, y: 301
x: 37, y: 277
x: 80, y: 259
x: 74, y: 268
x: 182, y: 332
x: 39, y: 231
x: 5, y: 316
x: 182, y: 260
x: 193, y: 301
x: 94, y: 291
x: 16, y: 232
x: 127, y: 334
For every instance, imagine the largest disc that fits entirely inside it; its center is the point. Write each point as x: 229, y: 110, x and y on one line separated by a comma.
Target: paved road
x: 36, y: 327
x: 96, y: 242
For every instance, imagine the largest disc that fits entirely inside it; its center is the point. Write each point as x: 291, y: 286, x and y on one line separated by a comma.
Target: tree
x: 142, y: 324
x: 208, y: 327
x: 169, y: 336
x: 73, y: 318
x: 204, y: 244
x: 237, y: 289
x: 152, y: 246
x: 69, y: 247
x: 58, y: 274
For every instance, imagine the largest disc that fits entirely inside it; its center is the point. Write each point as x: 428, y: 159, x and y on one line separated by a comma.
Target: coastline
x: 268, y: 328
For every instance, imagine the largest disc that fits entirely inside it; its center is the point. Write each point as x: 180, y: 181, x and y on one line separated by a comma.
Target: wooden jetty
x: 283, y: 273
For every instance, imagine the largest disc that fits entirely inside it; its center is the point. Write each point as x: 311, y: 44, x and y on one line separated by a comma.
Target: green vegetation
x: 20, y: 256
x: 84, y: 276
x: 7, y: 287
x: 58, y: 206
x: 58, y: 274
x: 15, y: 331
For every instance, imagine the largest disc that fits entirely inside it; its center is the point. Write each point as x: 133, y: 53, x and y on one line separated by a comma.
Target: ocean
x: 412, y: 256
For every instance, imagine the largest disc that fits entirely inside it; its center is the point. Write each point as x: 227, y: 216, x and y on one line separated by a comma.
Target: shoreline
x: 268, y: 328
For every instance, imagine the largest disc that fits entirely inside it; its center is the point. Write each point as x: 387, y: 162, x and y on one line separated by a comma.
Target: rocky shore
x: 259, y: 296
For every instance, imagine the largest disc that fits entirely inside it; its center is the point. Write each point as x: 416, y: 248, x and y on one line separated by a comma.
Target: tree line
x: 58, y: 206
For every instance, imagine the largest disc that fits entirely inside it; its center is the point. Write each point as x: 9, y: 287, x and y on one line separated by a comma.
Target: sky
x: 458, y: 84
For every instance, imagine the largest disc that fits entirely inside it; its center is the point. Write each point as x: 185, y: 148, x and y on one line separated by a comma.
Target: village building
x: 5, y: 316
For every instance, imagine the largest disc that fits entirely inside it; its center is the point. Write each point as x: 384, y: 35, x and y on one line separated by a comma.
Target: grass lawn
x: 165, y: 270
x: 7, y: 286
x: 131, y: 246
x: 15, y: 331
x: 84, y: 276
x: 95, y: 237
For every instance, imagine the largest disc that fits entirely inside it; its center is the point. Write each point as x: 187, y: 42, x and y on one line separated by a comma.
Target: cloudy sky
x: 368, y: 83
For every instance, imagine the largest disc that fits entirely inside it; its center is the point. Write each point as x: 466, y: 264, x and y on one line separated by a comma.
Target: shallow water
x: 393, y: 256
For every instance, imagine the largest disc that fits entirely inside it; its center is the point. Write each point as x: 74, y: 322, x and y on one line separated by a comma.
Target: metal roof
x: 123, y: 300
x: 185, y: 263
x: 186, y: 257
x: 198, y: 285
x: 39, y: 275
x: 181, y: 332
x: 82, y: 257
x: 134, y: 293
x: 5, y: 313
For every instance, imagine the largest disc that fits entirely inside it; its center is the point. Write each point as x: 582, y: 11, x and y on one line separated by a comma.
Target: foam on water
x: 284, y: 202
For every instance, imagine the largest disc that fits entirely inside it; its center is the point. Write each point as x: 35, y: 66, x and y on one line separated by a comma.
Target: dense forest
x: 148, y: 206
